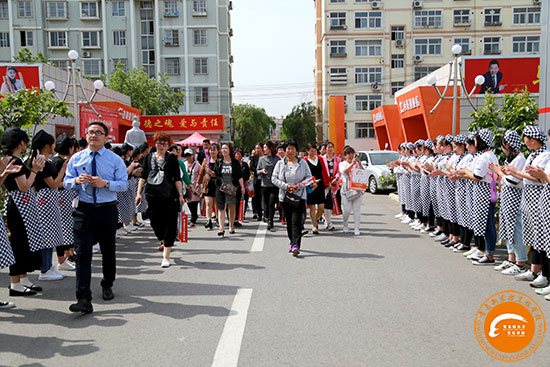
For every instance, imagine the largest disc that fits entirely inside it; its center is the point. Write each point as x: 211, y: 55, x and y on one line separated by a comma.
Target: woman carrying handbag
x: 351, y: 199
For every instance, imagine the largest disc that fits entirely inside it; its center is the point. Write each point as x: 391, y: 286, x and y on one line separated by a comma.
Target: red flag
x: 183, y: 233
x: 240, y: 217
x: 335, y: 207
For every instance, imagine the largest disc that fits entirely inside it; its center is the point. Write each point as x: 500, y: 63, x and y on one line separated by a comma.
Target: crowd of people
x: 449, y: 188
x: 78, y: 196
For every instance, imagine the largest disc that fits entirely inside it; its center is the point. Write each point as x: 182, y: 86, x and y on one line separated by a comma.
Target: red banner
x: 503, y: 74
x: 19, y: 76
x: 151, y: 124
x: 126, y: 113
x: 183, y: 232
x: 108, y: 116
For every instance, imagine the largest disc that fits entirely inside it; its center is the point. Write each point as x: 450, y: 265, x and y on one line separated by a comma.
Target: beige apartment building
x: 367, y: 50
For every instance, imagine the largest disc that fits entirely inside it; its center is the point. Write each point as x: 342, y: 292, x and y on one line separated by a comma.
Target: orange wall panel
x: 337, y: 122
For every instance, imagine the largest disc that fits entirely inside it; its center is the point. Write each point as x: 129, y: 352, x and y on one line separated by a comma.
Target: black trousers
x: 540, y: 258
x: 294, y: 216
x: 269, y: 199
x: 93, y: 224
x: 194, y: 207
x: 257, y: 199
x: 163, y: 214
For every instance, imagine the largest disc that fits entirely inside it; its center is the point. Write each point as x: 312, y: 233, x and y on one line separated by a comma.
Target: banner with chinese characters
x: 108, y: 116
x: 151, y: 124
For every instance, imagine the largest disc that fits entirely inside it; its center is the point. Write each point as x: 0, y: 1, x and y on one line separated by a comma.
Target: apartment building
x: 367, y: 50
x: 190, y: 40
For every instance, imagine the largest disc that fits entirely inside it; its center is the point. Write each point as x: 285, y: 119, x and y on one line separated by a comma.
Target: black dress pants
x: 92, y: 224
x: 293, y: 216
x: 163, y: 214
x: 269, y: 199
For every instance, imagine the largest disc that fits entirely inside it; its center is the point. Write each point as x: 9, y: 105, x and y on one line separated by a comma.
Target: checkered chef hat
x: 487, y: 136
x: 419, y: 143
x: 513, y: 138
x: 429, y: 144
x: 440, y: 138
x: 410, y: 146
x: 535, y: 132
x: 460, y: 139
x: 449, y: 138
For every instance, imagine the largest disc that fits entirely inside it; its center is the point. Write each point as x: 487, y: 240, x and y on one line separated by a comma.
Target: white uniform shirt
x: 481, y: 166
x: 541, y: 161
x: 509, y: 180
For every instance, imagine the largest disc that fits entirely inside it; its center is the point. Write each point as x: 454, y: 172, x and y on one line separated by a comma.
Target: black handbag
x: 290, y: 198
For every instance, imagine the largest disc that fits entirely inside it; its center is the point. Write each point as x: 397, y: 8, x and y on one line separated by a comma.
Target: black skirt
x: 26, y: 261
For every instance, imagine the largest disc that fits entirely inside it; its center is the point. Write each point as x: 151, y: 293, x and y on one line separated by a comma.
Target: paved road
x: 387, y: 298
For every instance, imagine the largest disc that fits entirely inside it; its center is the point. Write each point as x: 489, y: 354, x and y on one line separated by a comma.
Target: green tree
x: 252, y: 125
x: 30, y: 108
x: 152, y: 96
x: 300, y: 124
x: 25, y: 55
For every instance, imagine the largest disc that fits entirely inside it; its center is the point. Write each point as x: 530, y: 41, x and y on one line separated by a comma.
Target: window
x: 337, y: 20
x: 524, y: 16
x: 62, y: 64
x: 201, y: 65
x: 56, y: 9
x: 461, y: 17
x: 369, y: 19
x: 427, y: 46
x: 121, y: 63
x: 397, y: 33
x: 464, y: 42
x: 119, y: 38
x: 428, y: 18
x: 4, y: 13
x: 172, y: 66
x: 337, y: 1
x: 365, y: 103
x: 90, y: 39
x: 24, y: 9
x: 4, y: 39
x: 147, y: 37
x: 201, y: 95
x: 368, y: 75
x: 492, y: 16
x: 88, y: 10
x: 175, y: 90
x: 171, y: 37
x: 199, y: 37
x: 422, y: 71
x: 170, y: 8
x: 57, y: 39
x: 27, y: 39
x: 199, y: 7
x: 525, y: 44
x: 338, y: 76
x: 119, y: 9
x: 91, y: 67
x: 491, y: 45
x: 397, y: 61
x: 368, y: 48
x: 338, y: 49
x: 364, y: 130
x: 396, y: 86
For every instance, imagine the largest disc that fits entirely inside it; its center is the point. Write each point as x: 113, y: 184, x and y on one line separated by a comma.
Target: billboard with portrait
x: 16, y: 76
x: 503, y: 74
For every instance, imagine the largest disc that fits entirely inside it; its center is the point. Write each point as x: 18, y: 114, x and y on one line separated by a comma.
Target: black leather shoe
x: 108, y: 294
x: 83, y: 305
x: 25, y: 293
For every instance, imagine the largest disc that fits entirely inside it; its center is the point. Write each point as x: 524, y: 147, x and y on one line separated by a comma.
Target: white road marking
x: 229, y: 346
x: 259, y: 240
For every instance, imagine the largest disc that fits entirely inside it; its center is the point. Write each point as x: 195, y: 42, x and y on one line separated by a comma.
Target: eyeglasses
x: 95, y: 133
x: 162, y: 143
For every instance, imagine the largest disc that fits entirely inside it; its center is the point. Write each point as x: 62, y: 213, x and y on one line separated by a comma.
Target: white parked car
x: 375, y: 163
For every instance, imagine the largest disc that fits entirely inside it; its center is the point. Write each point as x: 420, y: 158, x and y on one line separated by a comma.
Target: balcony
x: 338, y: 27
x: 338, y: 54
x: 338, y: 79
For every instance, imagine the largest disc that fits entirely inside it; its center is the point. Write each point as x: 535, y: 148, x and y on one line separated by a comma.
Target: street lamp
x: 73, y: 74
x: 454, y: 75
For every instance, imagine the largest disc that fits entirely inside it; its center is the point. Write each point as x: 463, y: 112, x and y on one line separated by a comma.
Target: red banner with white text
x: 108, y: 116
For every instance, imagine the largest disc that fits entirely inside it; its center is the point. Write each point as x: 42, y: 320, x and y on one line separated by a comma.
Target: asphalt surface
x: 390, y: 297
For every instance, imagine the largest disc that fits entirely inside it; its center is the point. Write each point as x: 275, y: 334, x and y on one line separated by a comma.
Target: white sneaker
x: 146, y: 221
x: 357, y: 232
x: 540, y: 282
x: 470, y: 252
x: 407, y: 220
x: 477, y: 255
x: 165, y: 263
x: 543, y: 291
x: 418, y: 227
x: 514, y: 270
x: 440, y: 238
x: 345, y: 229
x: 505, y: 265
x: 58, y: 272
x: 547, y: 297
x: 130, y: 228
x: 527, y: 276
x: 414, y: 223
x: 122, y: 232
x: 400, y: 215
x: 95, y: 248
x: 50, y: 275
x: 66, y: 265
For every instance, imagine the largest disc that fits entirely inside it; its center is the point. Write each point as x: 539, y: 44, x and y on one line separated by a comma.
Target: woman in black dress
x: 316, y: 198
x: 208, y: 180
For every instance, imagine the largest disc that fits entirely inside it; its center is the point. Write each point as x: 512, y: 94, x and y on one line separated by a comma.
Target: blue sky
x: 273, y: 46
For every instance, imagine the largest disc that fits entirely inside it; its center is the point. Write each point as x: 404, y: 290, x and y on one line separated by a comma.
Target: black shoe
x: 83, y: 305
x: 304, y: 232
x: 221, y: 233
x: 315, y: 231
x: 72, y: 258
x: 208, y: 225
x: 445, y: 242
x: 238, y: 224
x: 25, y: 293
x: 35, y: 288
x: 108, y: 294
x: 255, y: 216
x: 450, y: 244
x: 259, y: 219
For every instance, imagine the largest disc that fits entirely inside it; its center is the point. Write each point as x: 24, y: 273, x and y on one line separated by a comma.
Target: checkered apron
x: 425, y: 194
x: 6, y: 254
x: 442, y: 199
x: 50, y: 217
x: 460, y: 193
x: 481, y: 200
x: 27, y: 205
x: 126, y: 205
x: 133, y: 186
x: 416, y: 192
x: 399, y: 180
x: 407, y: 190
x: 510, y: 201
x: 66, y: 198
x: 470, y: 211
x: 530, y: 222
x: 544, y: 215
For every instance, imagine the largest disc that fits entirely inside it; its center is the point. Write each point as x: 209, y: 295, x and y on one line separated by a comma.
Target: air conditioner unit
x: 418, y: 58
x: 400, y: 43
x: 231, y: 59
x: 86, y: 54
x: 417, y: 4
x: 376, y: 4
x: 375, y: 87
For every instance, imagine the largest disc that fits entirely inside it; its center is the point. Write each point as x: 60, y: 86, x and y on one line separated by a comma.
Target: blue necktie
x: 94, y: 173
